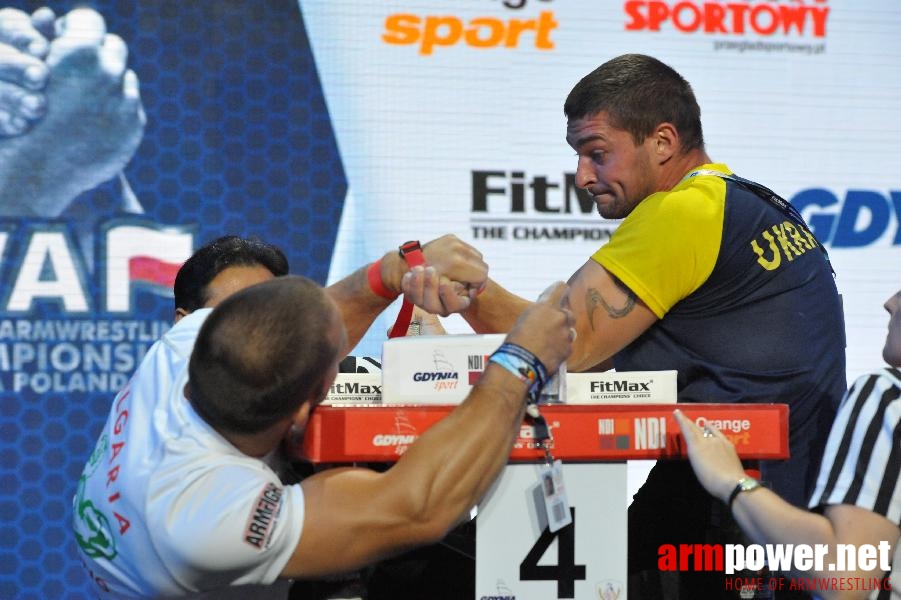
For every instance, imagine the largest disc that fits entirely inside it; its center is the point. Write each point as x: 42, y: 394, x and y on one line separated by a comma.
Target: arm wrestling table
x: 517, y: 556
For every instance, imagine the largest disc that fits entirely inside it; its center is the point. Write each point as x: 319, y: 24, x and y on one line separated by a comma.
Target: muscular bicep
x: 353, y: 517
x: 608, y: 316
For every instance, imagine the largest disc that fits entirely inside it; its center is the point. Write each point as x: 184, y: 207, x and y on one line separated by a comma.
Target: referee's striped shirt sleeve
x: 862, y: 462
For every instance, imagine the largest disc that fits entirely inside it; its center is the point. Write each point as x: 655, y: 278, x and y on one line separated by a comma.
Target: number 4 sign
x: 518, y: 557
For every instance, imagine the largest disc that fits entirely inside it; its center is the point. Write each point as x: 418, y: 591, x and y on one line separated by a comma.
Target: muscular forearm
x: 495, y: 310
x: 450, y: 468
x: 358, y: 304
x: 356, y: 516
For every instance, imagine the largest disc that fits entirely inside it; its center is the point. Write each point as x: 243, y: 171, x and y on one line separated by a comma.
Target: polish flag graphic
x: 149, y: 269
x: 143, y: 255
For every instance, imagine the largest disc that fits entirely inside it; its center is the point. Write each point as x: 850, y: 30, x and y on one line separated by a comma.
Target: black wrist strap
x: 740, y: 487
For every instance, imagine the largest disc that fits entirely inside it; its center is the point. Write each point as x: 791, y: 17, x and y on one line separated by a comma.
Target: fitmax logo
x: 620, y: 386
x: 355, y: 388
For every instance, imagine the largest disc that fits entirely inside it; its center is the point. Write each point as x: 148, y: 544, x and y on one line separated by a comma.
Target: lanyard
x: 775, y: 200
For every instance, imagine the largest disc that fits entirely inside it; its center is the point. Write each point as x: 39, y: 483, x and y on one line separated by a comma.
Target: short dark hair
x: 207, y: 262
x: 261, y: 353
x: 638, y: 92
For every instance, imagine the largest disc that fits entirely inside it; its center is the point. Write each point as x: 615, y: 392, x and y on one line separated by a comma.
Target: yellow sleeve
x: 667, y: 247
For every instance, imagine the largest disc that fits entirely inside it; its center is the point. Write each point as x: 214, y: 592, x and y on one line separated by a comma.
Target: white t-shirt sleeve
x: 241, y: 528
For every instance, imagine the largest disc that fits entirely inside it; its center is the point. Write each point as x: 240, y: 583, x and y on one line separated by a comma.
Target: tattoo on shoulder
x: 594, y: 299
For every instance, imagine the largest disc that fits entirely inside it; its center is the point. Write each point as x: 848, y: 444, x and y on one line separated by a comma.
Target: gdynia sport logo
x: 746, y: 563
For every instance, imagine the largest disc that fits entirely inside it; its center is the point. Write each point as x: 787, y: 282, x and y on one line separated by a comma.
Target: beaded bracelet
x: 522, y: 363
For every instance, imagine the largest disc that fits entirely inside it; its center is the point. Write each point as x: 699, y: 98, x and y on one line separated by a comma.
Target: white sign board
x: 518, y: 557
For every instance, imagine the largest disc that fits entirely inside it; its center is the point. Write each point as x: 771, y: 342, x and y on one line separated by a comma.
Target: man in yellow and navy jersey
x: 708, y: 274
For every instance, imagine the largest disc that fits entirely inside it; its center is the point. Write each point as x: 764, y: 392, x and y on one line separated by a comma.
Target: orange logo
x: 433, y: 31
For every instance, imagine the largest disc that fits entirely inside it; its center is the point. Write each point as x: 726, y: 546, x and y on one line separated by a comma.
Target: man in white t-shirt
x: 179, y: 498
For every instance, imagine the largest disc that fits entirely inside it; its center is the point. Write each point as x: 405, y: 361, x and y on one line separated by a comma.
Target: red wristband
x: 374, y: 275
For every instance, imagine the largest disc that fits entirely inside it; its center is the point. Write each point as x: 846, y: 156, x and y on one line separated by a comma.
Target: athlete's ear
x: 299, y: 422
x: 301, y: 416
x: 180, y: 313
x: 665, y: 141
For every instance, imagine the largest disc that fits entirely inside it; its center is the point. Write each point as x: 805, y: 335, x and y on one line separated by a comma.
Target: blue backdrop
x: 237, y: 140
